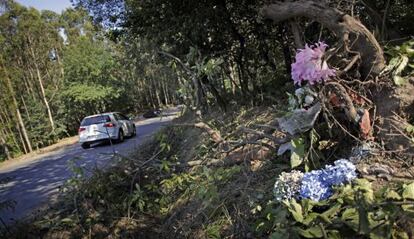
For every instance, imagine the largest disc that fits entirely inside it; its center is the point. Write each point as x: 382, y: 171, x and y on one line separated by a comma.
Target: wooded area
x: 56, y: 69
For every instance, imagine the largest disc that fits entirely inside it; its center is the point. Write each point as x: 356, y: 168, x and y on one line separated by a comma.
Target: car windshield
x: 95, y: 120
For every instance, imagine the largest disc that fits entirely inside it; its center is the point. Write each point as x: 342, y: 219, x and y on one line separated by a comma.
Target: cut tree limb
x: 214, y: 134
x: 347, y: 28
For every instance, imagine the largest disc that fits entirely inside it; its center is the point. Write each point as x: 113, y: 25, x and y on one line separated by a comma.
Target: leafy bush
x: 353, y: 211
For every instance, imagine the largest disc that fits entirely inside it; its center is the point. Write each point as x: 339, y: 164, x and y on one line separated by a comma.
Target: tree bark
x: 16, y: 106
x: 353, y: 33
x: 42, y: 90
x: 22, y: 139
x: 295, y: 28
x: 4, y: 121
x: 4, y: 145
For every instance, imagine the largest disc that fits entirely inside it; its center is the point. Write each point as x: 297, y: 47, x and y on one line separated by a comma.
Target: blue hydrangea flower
x: 342, y: 172
x: 317, y: 184
x: 313, y: 187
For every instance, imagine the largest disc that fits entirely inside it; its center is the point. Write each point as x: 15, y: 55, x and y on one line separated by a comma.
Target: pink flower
x: 309, y: 65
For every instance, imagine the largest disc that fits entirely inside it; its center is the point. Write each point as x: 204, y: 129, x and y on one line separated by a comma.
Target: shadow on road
x: 35, y: 183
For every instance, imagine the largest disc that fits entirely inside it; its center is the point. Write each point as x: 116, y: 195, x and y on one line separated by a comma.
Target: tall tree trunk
x: 4, y: 145
x: 26, y: 110
x: 62, y: 70
x: 27, y: 82
x: 42, y: 90
x: 156, y: 92
x: 16, y: 106
x: 22, y: 139
x: 164, y: 88
x: 4, y: 121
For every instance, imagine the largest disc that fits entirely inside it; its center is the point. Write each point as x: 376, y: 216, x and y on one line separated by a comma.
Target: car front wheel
x: 85, y: 146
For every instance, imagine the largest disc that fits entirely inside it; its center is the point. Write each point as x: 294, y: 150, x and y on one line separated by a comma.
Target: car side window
x: 117, y: 117
x: 124, y: 117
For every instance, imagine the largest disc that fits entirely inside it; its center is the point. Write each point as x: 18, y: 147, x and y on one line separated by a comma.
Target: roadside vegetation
x: 298, y: 123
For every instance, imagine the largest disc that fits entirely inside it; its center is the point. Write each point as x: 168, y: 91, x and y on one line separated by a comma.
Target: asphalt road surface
x: 35, y: 184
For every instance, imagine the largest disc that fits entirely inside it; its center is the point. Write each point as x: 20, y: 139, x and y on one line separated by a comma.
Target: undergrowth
x: 158, y: 193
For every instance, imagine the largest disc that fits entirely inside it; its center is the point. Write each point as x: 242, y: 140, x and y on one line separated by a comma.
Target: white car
x: 107, y: 126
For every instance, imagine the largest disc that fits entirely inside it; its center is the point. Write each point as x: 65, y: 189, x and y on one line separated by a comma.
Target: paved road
x: 34, y: 184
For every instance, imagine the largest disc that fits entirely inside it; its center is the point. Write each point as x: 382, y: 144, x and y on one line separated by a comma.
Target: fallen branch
x: 244, y: 143
x: 262, y: 135
x: 214, y: 134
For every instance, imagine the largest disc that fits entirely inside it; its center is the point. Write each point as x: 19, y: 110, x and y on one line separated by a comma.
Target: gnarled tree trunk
x: 355, y: 36
x: 392, y: 104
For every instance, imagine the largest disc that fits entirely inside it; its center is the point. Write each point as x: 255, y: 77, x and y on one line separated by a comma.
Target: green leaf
x: 400, y: 81
x: 310, y: 218
x: 295, y: 160
x: 66, y: 220
x: 380, y: 232
x: 391, y: 194
x: 295, y: 209
x: 410, y: 129
x: 314, y: 137
x: 408, y: 191
x: 331, y: 212
x: 393, y: 63
x: 333, y: 234
x: 313, y: 232
x: 298, y: 152
x: 399, y: 234
x: 401, y: 66
x: 365, y: 187
x: 350, y: 214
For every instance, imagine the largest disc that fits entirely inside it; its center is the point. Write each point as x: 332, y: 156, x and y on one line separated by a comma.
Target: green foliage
x: 90, y: 61
x: 304, y: 150
x: 297, y: 152
x: 354, y: 210
x: 401, y: 64
x: 79, y: 100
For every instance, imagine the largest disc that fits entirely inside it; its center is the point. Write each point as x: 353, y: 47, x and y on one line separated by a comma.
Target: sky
x: 54, y: 5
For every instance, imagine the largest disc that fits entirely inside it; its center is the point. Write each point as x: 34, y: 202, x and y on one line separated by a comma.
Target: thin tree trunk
x: 19, y: 116
x: 384, y: 21
x: 5, y: 146
x: 232, y: 77
x: 27, y: 82
x: 62, y: 70
x: 295, y: 28
x: 157, y: 93
x: 164, y: 88
x: 26, y: 110
x: 42, y: 90
x: 22, y: 140
x: 4, y: 121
